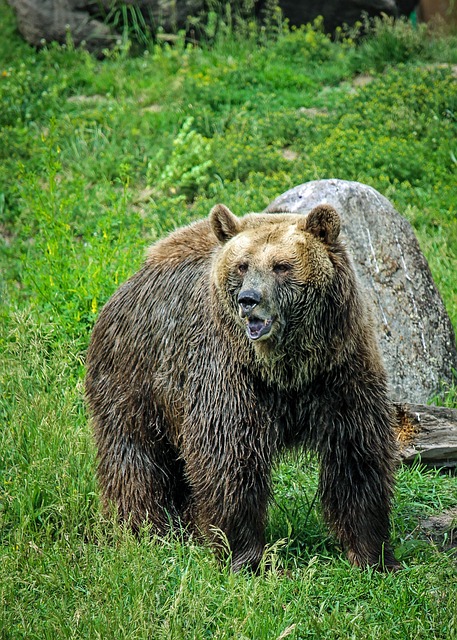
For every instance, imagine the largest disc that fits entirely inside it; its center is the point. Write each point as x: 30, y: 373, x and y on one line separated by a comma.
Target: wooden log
x: 429, y: 432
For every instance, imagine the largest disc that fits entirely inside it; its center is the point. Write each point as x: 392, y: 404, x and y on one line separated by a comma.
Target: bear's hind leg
x: 144, y: 481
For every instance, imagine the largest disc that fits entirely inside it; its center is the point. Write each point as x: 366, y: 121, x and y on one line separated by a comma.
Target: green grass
x: 97, y: 160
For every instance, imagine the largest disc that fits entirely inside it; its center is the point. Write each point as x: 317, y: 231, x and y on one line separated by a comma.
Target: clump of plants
x: 97, y: 159
x: 184, y: 171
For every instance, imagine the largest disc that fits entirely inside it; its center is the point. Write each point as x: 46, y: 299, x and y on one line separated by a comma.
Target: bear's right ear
x: 224, y: 223
x: 323, y: 222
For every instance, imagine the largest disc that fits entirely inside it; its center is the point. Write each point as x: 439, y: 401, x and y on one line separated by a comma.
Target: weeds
x: 128, y: 20
x: 186, y: 171
x: 97, y: 160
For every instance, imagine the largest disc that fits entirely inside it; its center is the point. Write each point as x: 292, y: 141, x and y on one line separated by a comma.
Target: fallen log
x: 427, y: 432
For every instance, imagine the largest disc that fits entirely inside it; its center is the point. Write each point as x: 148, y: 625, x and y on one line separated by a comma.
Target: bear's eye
x: 242, y: 268
x: 281, y: 268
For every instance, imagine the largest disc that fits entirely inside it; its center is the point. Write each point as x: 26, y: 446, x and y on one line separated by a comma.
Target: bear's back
x: 195, y: 243
x: 148, y: 328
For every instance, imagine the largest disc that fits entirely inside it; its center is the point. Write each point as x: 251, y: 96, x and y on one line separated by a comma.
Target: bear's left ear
x: 323, y: 222
x: 224, y: 223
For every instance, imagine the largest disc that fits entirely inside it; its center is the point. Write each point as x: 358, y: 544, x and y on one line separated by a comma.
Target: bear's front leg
x: 358, y: 459
x: 356, y: 498
x: 229, y: 497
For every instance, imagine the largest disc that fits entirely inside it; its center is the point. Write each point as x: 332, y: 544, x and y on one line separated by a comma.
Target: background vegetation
x: 97, y: 160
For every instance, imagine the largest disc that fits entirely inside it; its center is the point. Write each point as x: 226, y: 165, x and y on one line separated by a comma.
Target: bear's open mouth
x: 257, y: 327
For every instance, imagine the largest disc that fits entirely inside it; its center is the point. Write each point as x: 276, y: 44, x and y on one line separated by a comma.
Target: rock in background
x: 415, y: 333
x: 42, y: 21
x: 50, y: 20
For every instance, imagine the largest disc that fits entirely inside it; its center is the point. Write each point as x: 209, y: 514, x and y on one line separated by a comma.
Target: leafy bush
x: 99, y: 158
x: 186, y: 170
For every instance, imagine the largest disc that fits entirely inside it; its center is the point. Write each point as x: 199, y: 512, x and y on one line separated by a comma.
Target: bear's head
x: 275, y: 273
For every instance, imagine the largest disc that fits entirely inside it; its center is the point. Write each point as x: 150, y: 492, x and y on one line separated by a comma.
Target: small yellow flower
x: 5, y: 74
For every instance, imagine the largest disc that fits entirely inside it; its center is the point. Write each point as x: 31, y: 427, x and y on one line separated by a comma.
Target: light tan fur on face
x: 264, y: 241
x: 252, y: 249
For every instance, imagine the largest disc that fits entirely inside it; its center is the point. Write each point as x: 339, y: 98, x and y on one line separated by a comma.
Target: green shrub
x: 99, y: 158
x: 186, y: 169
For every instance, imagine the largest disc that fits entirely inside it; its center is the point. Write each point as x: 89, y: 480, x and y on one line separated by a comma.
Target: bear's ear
x: 224, y: 223
x: 324, y: 223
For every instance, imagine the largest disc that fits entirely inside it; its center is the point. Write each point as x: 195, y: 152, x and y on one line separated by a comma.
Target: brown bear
x: 238, y: 339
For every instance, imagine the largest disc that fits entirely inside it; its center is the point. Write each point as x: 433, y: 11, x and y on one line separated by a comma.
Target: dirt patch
x: 6, y: 235
x: 441, y: 529
x: 288, y: 154
x: 313, y: 112
x: 362, y: 80
x: 152, y: 108
x: 83, y: 99
x: 443, y: 65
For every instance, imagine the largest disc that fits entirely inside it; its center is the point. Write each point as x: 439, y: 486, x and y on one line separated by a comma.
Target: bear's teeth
x: 257, y: 327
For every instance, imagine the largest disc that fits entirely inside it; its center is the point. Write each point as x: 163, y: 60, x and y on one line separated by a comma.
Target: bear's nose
x: 247, y: 300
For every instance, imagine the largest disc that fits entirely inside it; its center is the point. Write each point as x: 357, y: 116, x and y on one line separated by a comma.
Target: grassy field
x: 97, y: 160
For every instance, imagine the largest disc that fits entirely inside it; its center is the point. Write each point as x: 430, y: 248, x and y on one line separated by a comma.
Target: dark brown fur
x: 190, y: 413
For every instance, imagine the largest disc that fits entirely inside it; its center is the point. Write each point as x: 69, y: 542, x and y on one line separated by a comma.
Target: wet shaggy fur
x: 238, y: 339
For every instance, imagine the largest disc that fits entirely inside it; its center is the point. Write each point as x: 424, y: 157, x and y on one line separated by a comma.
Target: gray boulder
x: 51, y: 20
x: 415, y: 333
x: 42, y: 21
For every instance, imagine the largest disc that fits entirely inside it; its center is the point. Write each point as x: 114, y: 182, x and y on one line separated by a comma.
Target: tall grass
x: 98, y: 159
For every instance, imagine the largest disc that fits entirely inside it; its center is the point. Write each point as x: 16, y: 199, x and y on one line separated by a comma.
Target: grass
x: 97, y: 160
